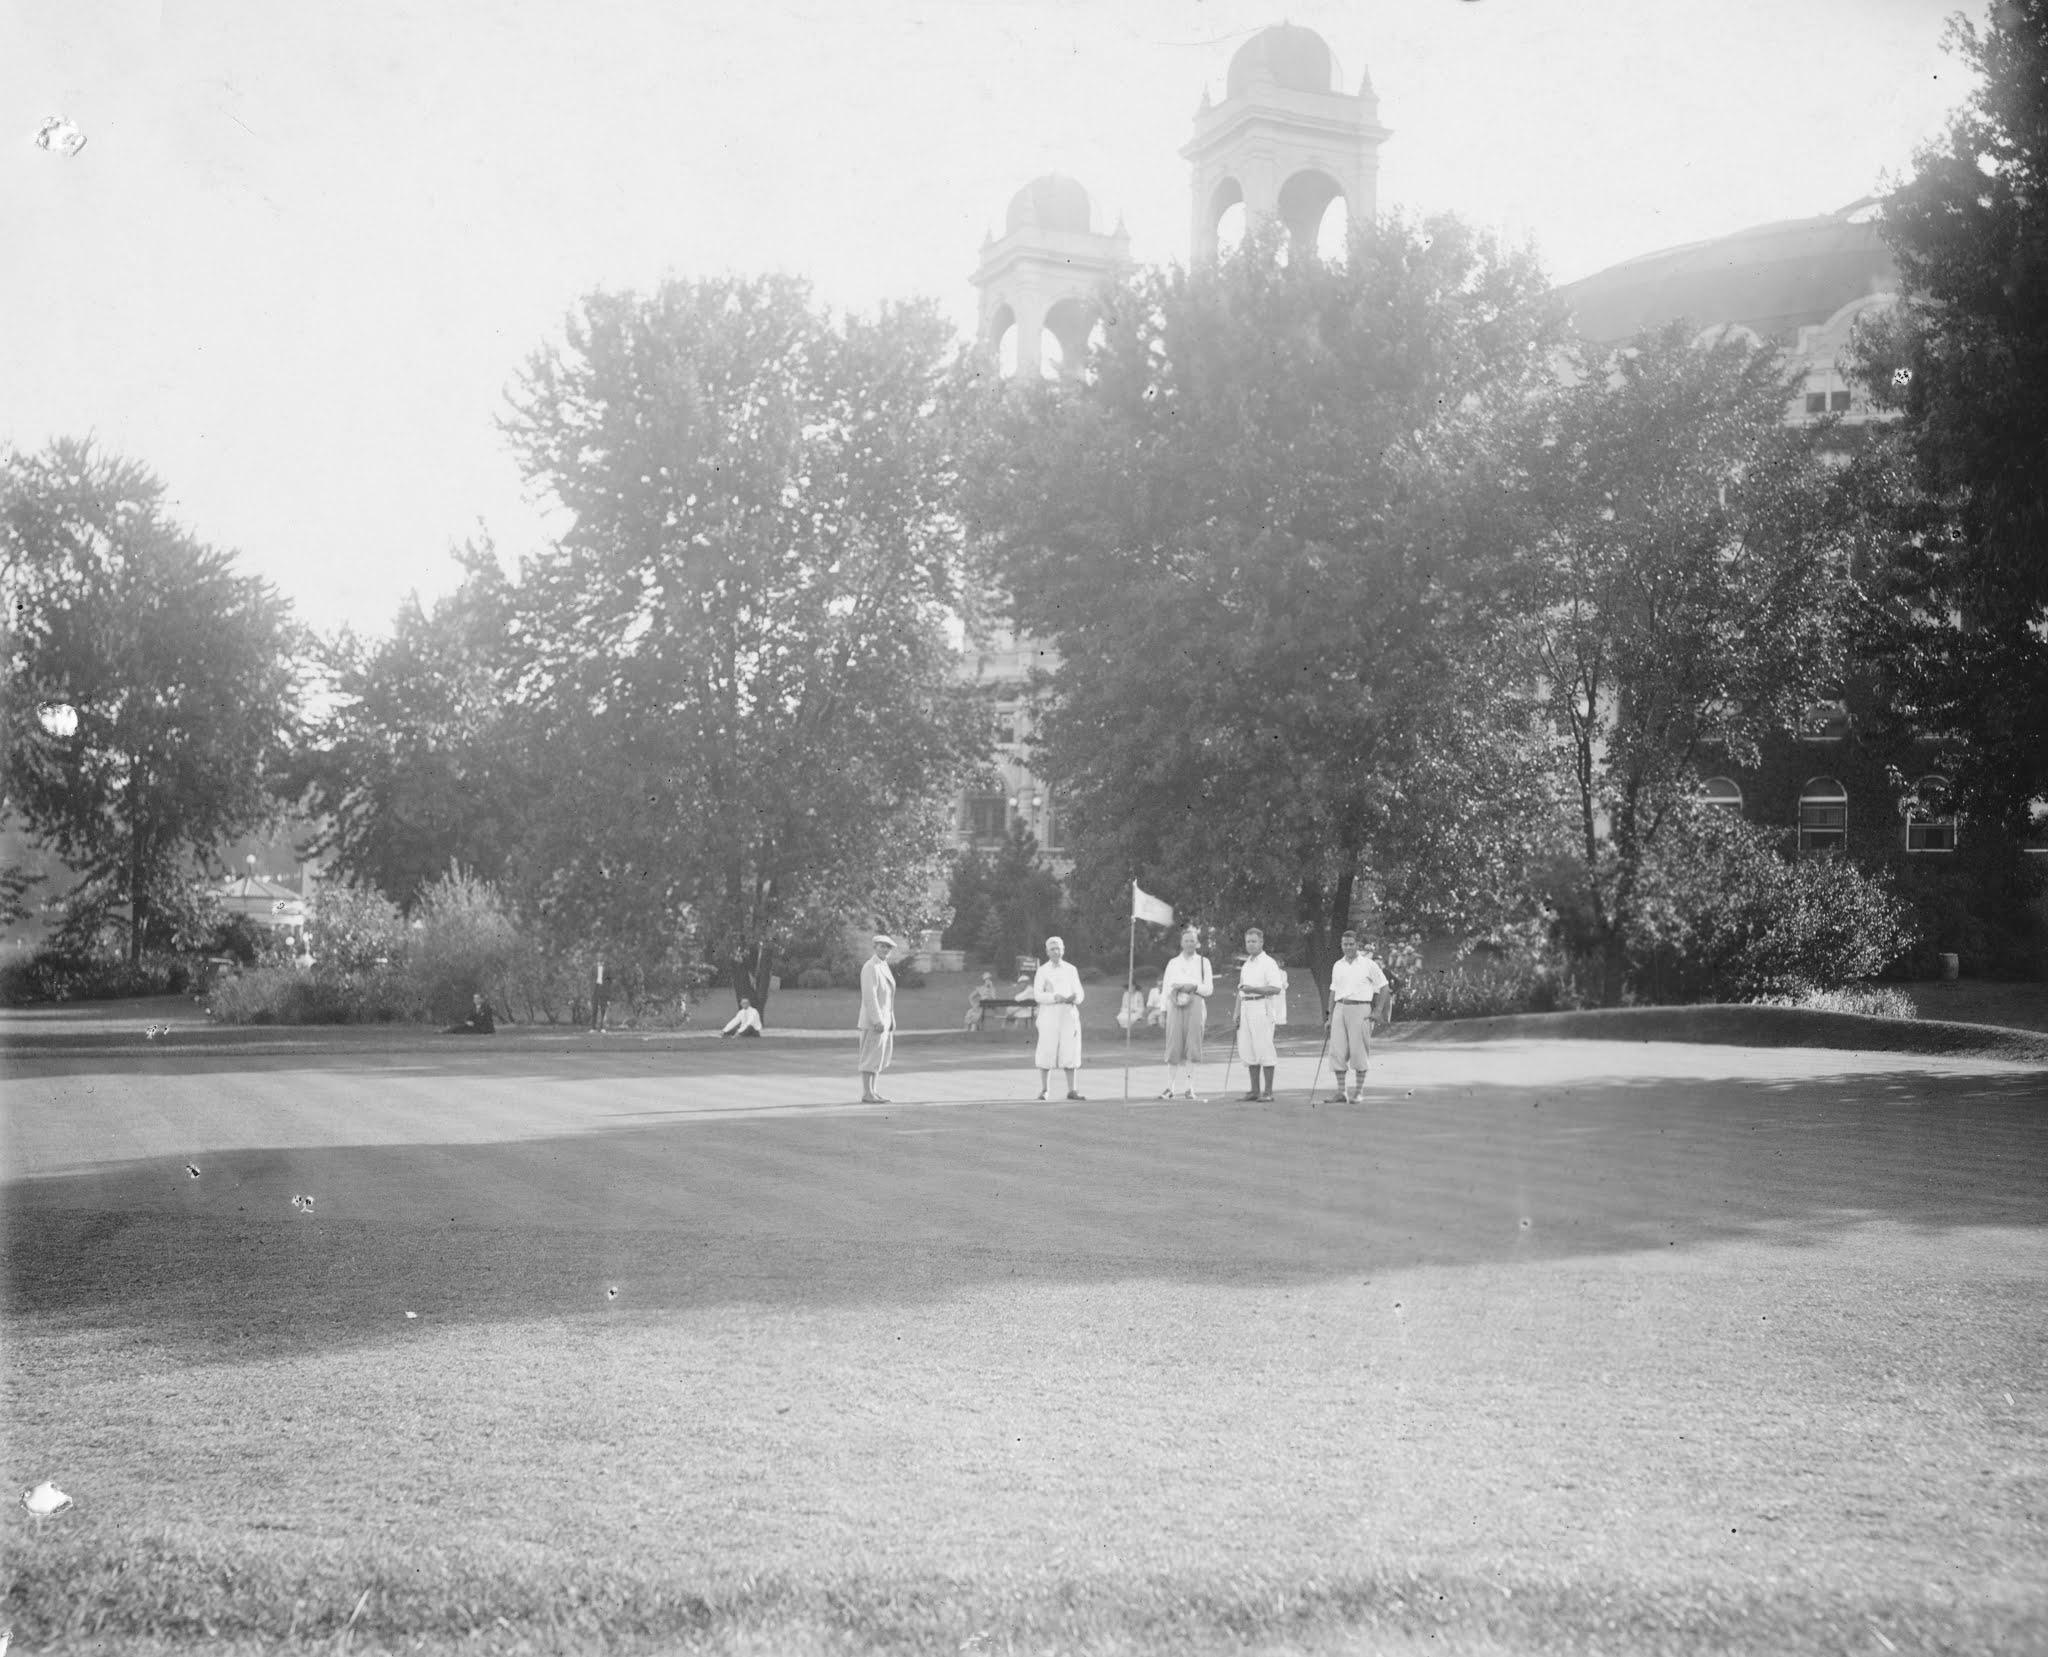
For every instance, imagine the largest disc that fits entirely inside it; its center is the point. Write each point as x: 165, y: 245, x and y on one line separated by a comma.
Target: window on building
x: 1838, y: 401
x: 1930, y: 820
x: 1721, y: 791
x: 1823, y: 816
x: 1816, y: 402
x: 2036, y: 842
x: 988, y: 817
x: 1049, y: 827
x: 1824, y: 722
x: 1006, y: 727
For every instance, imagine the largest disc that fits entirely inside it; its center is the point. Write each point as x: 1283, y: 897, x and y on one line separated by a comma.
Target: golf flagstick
x: 1130, y: 983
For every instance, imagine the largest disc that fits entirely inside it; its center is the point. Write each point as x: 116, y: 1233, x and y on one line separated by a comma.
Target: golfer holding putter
x: 1261, y: 1008
x: 1356, y: 982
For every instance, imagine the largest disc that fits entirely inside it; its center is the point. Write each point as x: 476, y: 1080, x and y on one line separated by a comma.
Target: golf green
x: 585, y: 1343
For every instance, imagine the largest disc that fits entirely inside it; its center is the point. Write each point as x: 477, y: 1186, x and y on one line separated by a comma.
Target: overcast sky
x: 305, y: 248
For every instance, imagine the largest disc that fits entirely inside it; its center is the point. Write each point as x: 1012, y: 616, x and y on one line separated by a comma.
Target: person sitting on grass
x: 978, y: 999
x: 745, y: 1022
x: 480, y: 1022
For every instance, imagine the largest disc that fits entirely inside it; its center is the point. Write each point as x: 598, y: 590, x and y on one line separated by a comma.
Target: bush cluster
x: 286, y: 995
x: 371, y: 964
x: 1484, y: 990
x: 1872, y: 1000
x: 1729, y: 916
x: 59, y: 975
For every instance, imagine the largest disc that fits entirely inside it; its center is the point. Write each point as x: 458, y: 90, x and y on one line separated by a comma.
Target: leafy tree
x: 414, y: 764
x: 732, y: 671
x: 1685, y: 564
x: 1265, y: 533
x: 15, y: 880
x: 178, y: 674
x: 1962, y: 482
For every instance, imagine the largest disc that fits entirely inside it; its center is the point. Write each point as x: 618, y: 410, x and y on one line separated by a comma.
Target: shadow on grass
x: 914, y: 1204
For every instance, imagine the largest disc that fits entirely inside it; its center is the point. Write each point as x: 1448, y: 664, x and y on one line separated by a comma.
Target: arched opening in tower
x: 1333, y: 234
x: 1067, y: 326
x: 1227, y: 217
x: 1305, y: 201
x: 1002, y: 333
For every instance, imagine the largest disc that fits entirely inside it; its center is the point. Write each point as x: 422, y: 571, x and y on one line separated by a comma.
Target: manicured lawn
x: 1568, y: 1346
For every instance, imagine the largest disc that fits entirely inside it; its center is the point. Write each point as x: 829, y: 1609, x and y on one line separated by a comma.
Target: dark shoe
x: 1249, y: 1099
x: 1081, y: 1096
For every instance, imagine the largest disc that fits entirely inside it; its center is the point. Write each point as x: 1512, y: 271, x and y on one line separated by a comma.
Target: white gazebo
x: 265, y: 902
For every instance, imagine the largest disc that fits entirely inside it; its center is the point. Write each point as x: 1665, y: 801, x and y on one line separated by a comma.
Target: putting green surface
x: 1549, y: 1345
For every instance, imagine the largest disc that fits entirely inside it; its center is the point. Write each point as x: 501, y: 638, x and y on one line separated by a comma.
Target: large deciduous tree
x: 174, y: 674
x: 1686, y: 568
x: 1265, y: 533
x: 1962, y: 633
x: 732, y: 670
x: 414, y: 764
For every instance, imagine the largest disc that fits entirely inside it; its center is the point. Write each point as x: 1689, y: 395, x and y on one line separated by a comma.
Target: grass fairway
x: 1561, y: 1347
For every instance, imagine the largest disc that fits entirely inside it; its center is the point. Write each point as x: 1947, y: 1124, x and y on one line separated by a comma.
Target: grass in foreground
x: 1592, y: 1362
x: 161, y: 1595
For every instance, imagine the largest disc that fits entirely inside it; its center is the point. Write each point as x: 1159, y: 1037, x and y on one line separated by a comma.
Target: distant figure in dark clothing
x: 480, y: 1022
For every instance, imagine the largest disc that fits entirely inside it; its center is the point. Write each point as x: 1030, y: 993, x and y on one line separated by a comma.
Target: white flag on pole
x: 1145, y: 907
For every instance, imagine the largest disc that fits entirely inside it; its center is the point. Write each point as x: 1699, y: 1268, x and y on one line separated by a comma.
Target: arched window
x: 1721, y: 791
x: 2035, y: 841
x: 1930, y: 819
x: 1823, y: 816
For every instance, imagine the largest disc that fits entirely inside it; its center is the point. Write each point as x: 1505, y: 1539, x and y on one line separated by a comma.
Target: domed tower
x: 1287, y: 140
x: 1043, y: 275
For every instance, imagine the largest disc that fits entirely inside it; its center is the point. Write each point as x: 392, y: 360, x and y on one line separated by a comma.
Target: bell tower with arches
x: 1286, y: 141
x: 1042, y: 277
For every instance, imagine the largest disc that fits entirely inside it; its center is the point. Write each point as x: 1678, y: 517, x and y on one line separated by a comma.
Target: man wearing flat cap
x: 877, y: 1018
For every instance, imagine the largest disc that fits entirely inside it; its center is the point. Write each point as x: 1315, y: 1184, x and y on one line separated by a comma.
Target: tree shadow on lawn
x: 903, y: 1207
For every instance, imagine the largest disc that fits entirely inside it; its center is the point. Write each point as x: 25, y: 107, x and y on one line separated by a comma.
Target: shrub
x: 351, y: 929
x: 463, y: 942
x: 1727, y: 917
x: 1485, y: 990
x: 284, y: 995
x: 541, y: 983
x: 814, y: 978
x: 1872, y: 1000
x: 52, y: 974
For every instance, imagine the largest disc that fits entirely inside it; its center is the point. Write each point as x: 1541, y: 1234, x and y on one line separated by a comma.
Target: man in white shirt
x: 1261, y: 1009
x: 1356, y: 983
x: 745, y: 1022
x: 1057, y: 990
